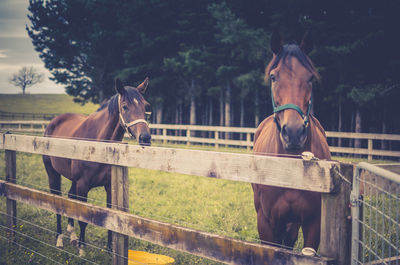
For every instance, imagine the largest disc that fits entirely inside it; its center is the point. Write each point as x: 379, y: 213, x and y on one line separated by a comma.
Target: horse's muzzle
x: 293, y: 137
x: 145, y: 139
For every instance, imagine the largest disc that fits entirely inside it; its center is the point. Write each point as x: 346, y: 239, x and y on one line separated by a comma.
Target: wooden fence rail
x: 320, y: 176
x: 213, y: 136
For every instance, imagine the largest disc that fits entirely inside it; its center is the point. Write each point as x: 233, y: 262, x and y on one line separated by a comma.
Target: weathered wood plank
x: 268, y: 170
x: 219, y: 248
x: 336, y: 221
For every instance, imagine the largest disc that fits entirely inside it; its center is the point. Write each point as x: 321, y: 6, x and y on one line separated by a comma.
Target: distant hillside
x: 43, y: 103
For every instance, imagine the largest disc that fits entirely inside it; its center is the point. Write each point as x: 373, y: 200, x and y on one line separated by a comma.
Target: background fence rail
x: 240, y: 137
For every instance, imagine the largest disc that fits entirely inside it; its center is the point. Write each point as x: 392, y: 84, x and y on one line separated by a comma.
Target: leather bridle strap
x: 122, y: 120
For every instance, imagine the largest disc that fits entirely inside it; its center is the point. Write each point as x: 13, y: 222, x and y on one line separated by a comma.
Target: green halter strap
x: 277, y: 109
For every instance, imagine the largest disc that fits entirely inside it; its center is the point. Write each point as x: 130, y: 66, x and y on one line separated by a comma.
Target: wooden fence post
x: 248, y: 141
x: 370, y: 147
x: 336, y: 218
x: 216, y: 135
x: 164, y: 133
x: 120, y: 201
x: 11, y: 169
x: 188, y: 132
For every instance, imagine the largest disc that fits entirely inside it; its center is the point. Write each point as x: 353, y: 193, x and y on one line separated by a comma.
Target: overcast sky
x: 16, y: 49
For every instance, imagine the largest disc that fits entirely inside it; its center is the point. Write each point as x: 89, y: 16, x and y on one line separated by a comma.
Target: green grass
x: 43, y: 103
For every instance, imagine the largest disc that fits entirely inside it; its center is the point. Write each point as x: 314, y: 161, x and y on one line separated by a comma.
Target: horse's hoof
x: 70, y: 228
x: 81, y: 252
x: 310, y: 252
x: 59, y: 243
x: 73, y: 238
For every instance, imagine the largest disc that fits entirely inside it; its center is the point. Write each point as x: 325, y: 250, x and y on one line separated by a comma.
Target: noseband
x: 124, y: 124
x: 277, y: 109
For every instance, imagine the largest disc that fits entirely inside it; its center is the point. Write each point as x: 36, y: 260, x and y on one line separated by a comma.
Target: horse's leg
x: 291, y: 235
x: 70, y: 227
x: 55, y: 188
x: 265, y: 229
x: 82, y: 189
x: 311, y: 232
x: 108, y: 191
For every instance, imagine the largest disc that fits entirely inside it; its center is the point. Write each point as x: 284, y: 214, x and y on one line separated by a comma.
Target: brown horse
x: 124, y: 112
x: 290, y: 131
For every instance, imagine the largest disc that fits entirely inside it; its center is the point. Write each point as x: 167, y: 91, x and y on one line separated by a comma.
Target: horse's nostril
x: 284, y: 131
x: 145, y: 138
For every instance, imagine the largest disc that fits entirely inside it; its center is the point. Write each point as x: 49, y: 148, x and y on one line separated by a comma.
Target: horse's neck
x: 108, y: 126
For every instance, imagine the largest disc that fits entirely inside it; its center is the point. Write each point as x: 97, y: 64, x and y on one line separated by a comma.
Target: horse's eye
x: 273, y: 78
x: 125, y: 107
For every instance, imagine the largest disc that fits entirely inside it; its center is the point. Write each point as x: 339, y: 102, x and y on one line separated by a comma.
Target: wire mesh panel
x: 376, y: 216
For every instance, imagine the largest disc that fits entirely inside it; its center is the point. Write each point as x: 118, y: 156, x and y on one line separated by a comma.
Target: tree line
x: 206, y: 59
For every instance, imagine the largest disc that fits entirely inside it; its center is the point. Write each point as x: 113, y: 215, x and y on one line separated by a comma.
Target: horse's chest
x: 95, y: 174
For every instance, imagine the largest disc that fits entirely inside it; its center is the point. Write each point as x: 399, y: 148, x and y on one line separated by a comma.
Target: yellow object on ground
x: 141, y: 257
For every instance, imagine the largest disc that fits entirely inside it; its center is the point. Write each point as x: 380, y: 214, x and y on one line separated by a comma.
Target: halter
x: 122, y: 120
x: 277, y: 109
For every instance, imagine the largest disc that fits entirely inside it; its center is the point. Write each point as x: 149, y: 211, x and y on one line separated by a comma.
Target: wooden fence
x: 242, y: 137
x: 319, y: 176
x: 24, y: 116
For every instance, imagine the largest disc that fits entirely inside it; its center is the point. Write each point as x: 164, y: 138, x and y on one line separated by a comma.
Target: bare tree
x: 26, y: 77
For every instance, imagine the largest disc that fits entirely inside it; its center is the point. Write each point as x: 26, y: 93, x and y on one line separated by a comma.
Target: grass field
x: 43, y: 103
x: 213, y: 205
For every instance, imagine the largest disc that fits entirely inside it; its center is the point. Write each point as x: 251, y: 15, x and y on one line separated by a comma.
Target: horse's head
x: 132, y: 111
x: 291, y: 73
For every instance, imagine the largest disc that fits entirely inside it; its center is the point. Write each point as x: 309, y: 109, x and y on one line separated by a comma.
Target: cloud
x: 13, y: 18
x: 3, y: 53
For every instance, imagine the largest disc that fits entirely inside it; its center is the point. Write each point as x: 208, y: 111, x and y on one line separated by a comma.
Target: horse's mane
x: 287, y: 52
x: 112, y: 103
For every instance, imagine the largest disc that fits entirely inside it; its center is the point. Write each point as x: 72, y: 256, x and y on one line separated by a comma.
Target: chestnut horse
x: 290, y: 131
x: 124, y: 112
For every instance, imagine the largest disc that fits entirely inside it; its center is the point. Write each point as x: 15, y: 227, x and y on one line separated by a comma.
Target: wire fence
x: 23, y: 236
x: 376, y: 218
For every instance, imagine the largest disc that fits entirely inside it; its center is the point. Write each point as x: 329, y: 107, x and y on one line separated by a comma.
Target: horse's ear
x: 119, y: 87
x: 307, y: 44
x: 276, y: 42
x: 142, y: 87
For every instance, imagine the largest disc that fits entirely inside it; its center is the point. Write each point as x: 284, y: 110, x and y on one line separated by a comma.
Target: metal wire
x: 340, y: 175
x: 54, y: 232
x: 33, y: 251
x: 46, y: 244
